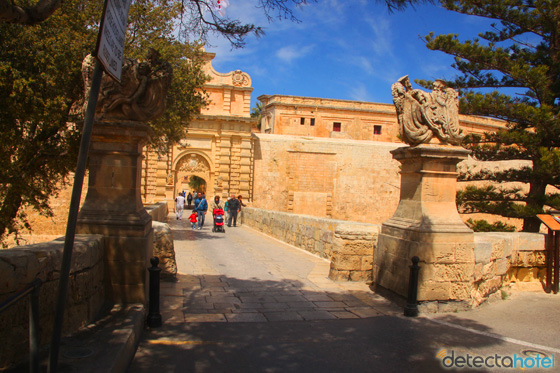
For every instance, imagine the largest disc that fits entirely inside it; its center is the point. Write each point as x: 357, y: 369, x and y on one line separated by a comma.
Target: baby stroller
x: 218, y: 215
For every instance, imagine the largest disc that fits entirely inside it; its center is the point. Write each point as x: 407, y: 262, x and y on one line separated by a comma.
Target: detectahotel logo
x: 535, y: 360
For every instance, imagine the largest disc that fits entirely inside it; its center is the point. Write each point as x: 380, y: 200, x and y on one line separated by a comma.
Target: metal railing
x: 33, y: 291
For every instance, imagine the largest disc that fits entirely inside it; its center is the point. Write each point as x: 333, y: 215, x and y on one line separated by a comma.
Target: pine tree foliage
x: 521, y: 51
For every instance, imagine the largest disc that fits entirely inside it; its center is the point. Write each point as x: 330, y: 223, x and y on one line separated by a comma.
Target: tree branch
x: 43, y: 9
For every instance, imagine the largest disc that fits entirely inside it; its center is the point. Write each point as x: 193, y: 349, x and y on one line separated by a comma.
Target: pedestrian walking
x: 180, y: 200
x: 233, y: 208
x: 201, y: 208
x: 189, y: 200
x: 226, y: 208
x: 240, y: 213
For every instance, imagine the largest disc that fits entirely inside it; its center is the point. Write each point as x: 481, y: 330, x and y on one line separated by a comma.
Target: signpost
x: 110, y: 43
x: 109, y: 53
x: 552, y: 252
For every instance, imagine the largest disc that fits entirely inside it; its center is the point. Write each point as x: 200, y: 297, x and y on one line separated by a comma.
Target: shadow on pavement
x: 383, y: 342
x: 189, y: 234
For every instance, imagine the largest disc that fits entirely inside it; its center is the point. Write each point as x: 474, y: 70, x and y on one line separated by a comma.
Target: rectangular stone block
x: 429, y: 291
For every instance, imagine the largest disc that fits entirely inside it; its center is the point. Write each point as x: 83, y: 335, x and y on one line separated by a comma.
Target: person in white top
x: 180, y: 206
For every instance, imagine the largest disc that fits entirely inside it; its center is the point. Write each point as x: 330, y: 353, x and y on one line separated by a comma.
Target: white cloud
x: 290, y: 53
x: 381, y: 37
x: 359, y: 92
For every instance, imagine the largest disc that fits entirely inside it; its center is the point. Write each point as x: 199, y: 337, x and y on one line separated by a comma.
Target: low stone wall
x: 164, y: 250
x: 20, y: 265
x: 163, y: 240
x: 158, y: 211
x: 500, y: 258
x: 353, y: 247
x: 348, y: 245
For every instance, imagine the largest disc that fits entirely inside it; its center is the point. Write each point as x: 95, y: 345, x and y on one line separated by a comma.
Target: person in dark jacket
x: 233, y: 209
x: 201, y: 208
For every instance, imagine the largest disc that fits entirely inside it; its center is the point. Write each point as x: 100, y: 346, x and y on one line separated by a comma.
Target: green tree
x: 43, y: 44
x: 41, y: 85
x: 256, y: 112
x: 520, y: 51
x: 197, y: 183
x: 197, y: 17
x: 40, y: 79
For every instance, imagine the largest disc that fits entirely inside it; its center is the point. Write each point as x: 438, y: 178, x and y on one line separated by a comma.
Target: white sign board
x: 110, y: 43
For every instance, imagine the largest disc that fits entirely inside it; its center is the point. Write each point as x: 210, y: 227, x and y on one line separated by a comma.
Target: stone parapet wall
x: 163, y: 240
x: 502, y: 258
x: 158, y: 211
x: 20, y: 265
x: 499, y: 258
x: 354, y: 244
x: 349, y: 246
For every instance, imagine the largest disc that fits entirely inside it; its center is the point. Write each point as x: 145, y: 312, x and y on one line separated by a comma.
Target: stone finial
x: 141, y: 94
x: 423, y: 116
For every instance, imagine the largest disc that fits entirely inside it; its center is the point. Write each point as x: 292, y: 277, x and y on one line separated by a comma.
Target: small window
x: 336, y: 126
x: 377, y: 130
x: 312, y: 122
x: 302, y: 121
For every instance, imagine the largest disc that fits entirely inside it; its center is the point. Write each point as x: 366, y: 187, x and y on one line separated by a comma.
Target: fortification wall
x: 339, y: 179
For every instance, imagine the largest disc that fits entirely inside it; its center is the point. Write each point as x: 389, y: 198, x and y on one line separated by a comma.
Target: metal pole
x: 154, y: 317
x: 34, y: 327
x: 549, y: 259
x: 73, y: 216
x: 411, y: 308
x: 555, y: 258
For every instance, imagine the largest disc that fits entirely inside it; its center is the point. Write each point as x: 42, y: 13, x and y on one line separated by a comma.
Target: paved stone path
x: 245, y: 276
x: 245, y: 302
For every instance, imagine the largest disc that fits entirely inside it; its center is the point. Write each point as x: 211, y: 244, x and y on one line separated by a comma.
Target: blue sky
x: 342, y: 49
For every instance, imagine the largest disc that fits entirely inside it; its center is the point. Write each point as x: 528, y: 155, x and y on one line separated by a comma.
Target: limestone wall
x: 334, y: 178
x: 20, y: 265
x: 158, y: 211
x: 500, y: 258
x: 348, y: 245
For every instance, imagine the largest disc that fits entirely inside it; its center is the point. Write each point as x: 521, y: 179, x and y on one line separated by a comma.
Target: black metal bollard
x: 411, y: 308
x: 154, y: 317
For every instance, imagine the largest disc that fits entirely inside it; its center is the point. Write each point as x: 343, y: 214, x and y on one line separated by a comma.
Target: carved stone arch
x: 192, y: 163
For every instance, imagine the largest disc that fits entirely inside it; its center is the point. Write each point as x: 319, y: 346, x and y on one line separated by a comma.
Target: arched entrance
x: 189, y: 165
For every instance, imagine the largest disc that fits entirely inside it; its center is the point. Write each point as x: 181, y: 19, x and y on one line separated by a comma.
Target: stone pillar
x: 427, y: 224
x: 113, y: 208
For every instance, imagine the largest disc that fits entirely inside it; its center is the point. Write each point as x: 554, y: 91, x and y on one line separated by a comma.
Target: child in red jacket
x: 193, y: 218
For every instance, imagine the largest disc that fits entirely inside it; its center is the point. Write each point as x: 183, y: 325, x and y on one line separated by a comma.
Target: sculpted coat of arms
x: 426, y: 115
x: 141, y: 94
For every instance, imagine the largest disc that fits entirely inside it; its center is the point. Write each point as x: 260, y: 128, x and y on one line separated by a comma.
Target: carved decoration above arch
x: 193, y: 163
x: 240, y: 79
